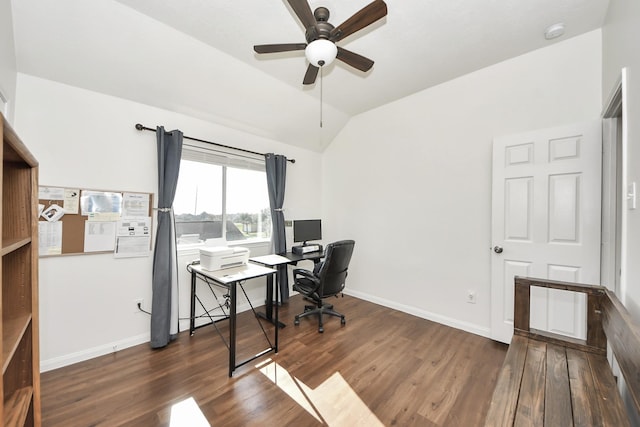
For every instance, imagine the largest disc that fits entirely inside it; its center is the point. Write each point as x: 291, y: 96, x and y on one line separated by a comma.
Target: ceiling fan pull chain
x: 321, y: 73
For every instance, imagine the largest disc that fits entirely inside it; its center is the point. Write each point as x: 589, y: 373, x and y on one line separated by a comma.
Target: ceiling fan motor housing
x: 322, y: 29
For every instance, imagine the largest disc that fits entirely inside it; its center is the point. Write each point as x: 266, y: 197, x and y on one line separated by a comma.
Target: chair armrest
x: 305, y: 273
x: 305, y: 281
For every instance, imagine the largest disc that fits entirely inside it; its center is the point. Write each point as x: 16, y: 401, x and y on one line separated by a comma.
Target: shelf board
x: 16, y: 407
x: 14, y: 149
x: 12, y: 332
x: 10, y: 245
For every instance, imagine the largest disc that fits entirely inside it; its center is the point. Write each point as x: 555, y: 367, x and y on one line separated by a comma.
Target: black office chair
x: 326, y: 280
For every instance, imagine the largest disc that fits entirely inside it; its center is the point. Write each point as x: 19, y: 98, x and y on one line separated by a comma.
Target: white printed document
x: 99, y: 236
x: 49, y: 238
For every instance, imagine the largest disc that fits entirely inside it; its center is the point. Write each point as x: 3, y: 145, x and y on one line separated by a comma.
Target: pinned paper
x: 49, y: 238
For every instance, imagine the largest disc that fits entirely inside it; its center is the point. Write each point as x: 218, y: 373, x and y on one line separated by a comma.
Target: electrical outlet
x: 471, y: 297
x: 138, y: 304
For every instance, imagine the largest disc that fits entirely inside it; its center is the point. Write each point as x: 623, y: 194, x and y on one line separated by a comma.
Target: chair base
x: 310, y: 310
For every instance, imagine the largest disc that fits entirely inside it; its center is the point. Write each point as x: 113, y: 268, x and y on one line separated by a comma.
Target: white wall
x: 7, y: 59
x: 86, y: 139
x: 411, y: 181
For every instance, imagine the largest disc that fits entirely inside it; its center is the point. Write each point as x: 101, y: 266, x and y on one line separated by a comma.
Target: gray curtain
x: 276, y: 166
x: 169, y: 154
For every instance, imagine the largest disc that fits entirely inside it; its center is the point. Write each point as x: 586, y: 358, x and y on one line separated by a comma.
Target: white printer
x: 220, y: 257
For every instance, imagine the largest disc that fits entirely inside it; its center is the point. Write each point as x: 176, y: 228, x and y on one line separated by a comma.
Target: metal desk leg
x: 232, y: 328
x: 277, y: 323
x: 192, y: 312
x: 268, y: 311
x: 269, y: 302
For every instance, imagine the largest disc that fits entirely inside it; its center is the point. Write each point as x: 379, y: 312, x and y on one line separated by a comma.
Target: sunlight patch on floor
x: 333, y: 402
x: 187, y: 414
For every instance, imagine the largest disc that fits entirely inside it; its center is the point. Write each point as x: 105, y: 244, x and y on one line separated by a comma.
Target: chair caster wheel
x: 342, y: 321
x: 296, y: 321
x: 320, y: 330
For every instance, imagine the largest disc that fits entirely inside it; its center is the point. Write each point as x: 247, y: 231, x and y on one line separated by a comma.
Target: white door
x: 545, y: 223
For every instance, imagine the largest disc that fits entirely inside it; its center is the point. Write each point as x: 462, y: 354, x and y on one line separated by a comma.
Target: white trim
x: 609, y: 203
x: 112, y: 347
x: 101, y: 350
x: 448, y: 321
x: 625, y: 158
x: 616, y: 104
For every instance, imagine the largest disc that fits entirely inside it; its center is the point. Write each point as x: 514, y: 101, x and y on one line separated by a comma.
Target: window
x: 220, y: 197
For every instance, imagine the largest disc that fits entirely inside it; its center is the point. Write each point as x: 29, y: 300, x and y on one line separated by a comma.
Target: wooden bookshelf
x: 20, y: 387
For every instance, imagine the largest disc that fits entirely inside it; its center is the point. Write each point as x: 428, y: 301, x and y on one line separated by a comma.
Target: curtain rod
x: 141, y: 127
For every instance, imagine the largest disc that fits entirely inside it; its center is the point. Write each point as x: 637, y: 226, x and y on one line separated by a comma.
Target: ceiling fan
x: 321, y: 36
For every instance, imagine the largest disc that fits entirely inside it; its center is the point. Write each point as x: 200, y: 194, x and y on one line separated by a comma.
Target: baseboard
x: 81, y: 356
x: 448, y: 321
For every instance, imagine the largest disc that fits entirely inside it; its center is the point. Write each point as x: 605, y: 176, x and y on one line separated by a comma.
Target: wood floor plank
x: 471, y: 403
x: 382, y: 365
x: 439, y: 398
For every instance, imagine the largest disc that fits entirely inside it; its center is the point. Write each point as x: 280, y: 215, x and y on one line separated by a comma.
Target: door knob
x: 497, y: 249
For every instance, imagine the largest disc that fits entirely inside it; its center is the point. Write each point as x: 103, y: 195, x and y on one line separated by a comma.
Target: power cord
x: 200, y: 316
x: 144, y: 311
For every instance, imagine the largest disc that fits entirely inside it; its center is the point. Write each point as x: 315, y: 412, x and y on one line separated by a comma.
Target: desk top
x: 311, y: 256
x: 287, y: 258
x: 270, y: 260
x: 234, y: 274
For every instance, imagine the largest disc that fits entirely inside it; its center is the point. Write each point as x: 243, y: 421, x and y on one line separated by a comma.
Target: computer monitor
x: 307, y: 230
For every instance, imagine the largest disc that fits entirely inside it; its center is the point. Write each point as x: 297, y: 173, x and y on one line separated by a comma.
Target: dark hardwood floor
x: 383, y: 368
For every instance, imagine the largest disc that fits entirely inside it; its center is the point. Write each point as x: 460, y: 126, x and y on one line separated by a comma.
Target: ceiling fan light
x: 321, y: 52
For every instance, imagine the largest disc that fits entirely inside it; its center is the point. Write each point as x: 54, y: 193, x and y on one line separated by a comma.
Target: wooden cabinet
x: 20, y: 387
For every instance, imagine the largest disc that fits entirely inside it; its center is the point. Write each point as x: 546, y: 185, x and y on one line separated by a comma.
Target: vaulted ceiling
x: 196, y: 57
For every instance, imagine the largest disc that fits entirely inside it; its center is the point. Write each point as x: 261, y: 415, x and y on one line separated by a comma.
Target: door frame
x: 615, y: 203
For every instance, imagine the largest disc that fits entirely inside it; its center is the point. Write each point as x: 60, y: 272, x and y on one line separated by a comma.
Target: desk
x: 230, y: 278
x: 281, y: 262
x: 312, y: 256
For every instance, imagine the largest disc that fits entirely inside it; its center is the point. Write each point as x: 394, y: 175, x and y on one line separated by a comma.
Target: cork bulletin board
x: 75, y: 221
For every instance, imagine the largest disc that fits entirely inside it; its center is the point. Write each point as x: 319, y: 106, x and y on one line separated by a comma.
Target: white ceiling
x: 196, y: 56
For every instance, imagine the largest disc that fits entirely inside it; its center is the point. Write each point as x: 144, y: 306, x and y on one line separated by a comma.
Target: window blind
x: 199, y: 153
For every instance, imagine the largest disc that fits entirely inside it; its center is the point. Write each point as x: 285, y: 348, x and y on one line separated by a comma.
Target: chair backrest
x: 333, y: 272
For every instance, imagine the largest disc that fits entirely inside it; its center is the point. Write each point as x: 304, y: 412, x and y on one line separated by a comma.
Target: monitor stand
x: 306, y: 248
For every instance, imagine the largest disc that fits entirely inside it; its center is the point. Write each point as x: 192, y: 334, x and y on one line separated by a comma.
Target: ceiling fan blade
x: 310, y: 75
x: 356, y: 61
x: 303, y: 11
x: 283, y: 47
x: 365, y: 16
